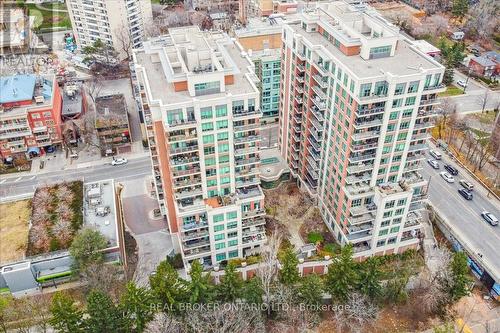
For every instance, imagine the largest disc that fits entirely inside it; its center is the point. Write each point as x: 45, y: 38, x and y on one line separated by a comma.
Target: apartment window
x: 232, y: 225
x: 396, y: 220
x: 224, y: 159
x: 218, y: 228
x: 221, y: 124
x: 391, y: 127
x: 428, y: 79
x: 220, y: 256
x: 402, y: 136
x: 206, y: 112
x: 399, y: 211
x: 206, y: 88
x: 174, y: 116
x: 400, y: 89
x: 238, y: 106
x: 209, y: 150
x: 400, y: 147
x: 394, y: 168
x: 231, y: 215
x: 413, y: 87
x: 397, y: 103
x: 209, y: 161
x: 381, y: 243
x: 401, y: 202
x: 404, y: 125
x: 395, y: 229
x: 394, y: 115
x: 224, y: 170
x: 211, y: 182
x: 219, y: 246
x: 212, y: 193
x: 387, y: 214
x: 222, y: 148
x: 380, y: 52
x: 389, y: 204
x: 385, y: 223
x: 233, y: 242
x: 391, y: 240
x: 233, y: 254
x: 218, y: 218
x: 383, y: 232
x: 219, y: 237
x: 222, y: 136
x: 208, y: 139
x: 410, y: 101
x: 207, y: 127
x: 225, y: 180
x: 386, y: 150
x: 221, y: 111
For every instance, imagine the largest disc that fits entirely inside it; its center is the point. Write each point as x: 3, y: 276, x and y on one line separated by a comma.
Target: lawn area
x: 14, y: 219
x: 46, y: 19
x: 451, y: 91
x: 487, y: 117
x: 484, y: 137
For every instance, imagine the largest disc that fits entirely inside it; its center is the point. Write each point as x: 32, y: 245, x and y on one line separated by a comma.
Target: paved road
x: 464, y: 216
x: 472, y: 100
x: 18, y: 185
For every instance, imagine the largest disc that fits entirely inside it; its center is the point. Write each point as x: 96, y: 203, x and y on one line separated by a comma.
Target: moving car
x: 467, y: 185
x: 466, y: 194
x: 119, y: 161
x: 451, y: 169
x: 490, y: 218
x: 446, y: 176
x: 462, y: 83
x: 437, y: 155
x: 433, y: 163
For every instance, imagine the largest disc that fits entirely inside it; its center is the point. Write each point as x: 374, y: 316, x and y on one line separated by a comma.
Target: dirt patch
x: 131, y: 249
x: 14, y: 227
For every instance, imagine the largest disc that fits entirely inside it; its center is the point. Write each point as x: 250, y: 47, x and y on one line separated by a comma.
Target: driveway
x: 151, y: 234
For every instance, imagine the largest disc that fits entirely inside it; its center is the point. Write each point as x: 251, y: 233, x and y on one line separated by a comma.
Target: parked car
x: 451, y: 169
x: 466, y: 194
x: 447, y: 177
x: 490, y: 218
x: 466, y: 184
x: 462, y: 83
x: 437, y: 155
x: 119, y: 161
x: 433, y: 163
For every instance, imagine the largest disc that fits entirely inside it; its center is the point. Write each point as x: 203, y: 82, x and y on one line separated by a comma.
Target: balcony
x: 321, y: 81
x: 14, y: 126
x: 359, y: 168
x: 195, y: 235
x: 245, y: 113
x: 312, y: 173
x: 249, y: 192
x: 429, y: 101
x: 441, y: 87
x: 413, y: 219
x: 188, y: 193
x: 365, y: 135
x: 358, y: 124
x: 248, y: 138
x: 299, y: 90
x: 415, y: 157
x: 299, y: 78
x: 413, y: 177
x: 314, y: 155
x: 361, y: 157
x: 319, y: 104
x: 183, y: 150
x: 411, y: 235
x: 313, y: 143
x: 363, y: 209
x: 246, y: 127
x: 419, y: 197
x: 320, y: 68
x: 246, y: 151
x: 373, y: 97
x: 16, y: 142
x: 247, y: 161
x: 312, y: 162
x: 39, y: 129
x: 363, y: 146
x: 316, y: 124
x: 418, y: 147
x: 361, y: 247
x: 253, y: 213
x: 297, y: 119
x: 259, y: 238
x: 14, y: 134
x: 369, y: 111
x: 194, y: 225
x: 42, y: 137
x: 298, y: 100
x: 317, y: 114
x: 180, y: 123
x: 253, y: 231
x: 413, y: 167
x: 358, y: 189
x: 420, y: 136
x: 301, y: 56
x: 190, y: 171
x: 186, y: 182
x: 247, y: 172
x: 194, y: 244
x: 187, y: 160
x: 254, y: 222
x: 359, y: 236
x: 301, y: 68
x: 319, y: 93
x: 422, y: 125
x: 18, y: 149
x: 359, y: 179
x: 315, y: 135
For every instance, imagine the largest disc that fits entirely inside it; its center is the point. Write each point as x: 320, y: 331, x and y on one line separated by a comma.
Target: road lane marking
x: 32, y: 177
x: 3, y: 181
x: 18, y: 179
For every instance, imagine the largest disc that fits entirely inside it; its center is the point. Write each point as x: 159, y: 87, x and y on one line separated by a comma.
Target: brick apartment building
x: 30, y: 115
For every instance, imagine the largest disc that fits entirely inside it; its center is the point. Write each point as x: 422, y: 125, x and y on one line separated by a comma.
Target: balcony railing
x: 365, y: 135
x: 362, y: 157
x: 321, y: 81
x: 359, y: 167
x: 248, y: 138
x: 439, y: 86
x: 182, y: 150
x: 188, y: 193
x: 246, y: 127
x: 190, y: 171
x: 320, y: 94
x: 367, y: 123
x: 253, y: 213
x: 196, y: 244
x: 180, y: 161
x: 370, y: 111
x: 317, y: 114
x: 361, y: 147
x: 246, y: 161
x: 245, y: 113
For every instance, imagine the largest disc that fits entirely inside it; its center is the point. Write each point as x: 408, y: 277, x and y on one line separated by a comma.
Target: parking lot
x: 464, y: 216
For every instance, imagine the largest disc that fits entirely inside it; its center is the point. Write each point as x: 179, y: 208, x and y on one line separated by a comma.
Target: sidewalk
x: 87, y: 157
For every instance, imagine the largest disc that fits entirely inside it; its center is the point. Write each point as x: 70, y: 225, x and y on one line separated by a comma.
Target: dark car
x: 451, y: 169
x: 466, y: 194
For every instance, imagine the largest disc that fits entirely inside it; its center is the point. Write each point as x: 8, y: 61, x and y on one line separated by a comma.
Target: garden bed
x: 56, y: 216
x: 14, y: 221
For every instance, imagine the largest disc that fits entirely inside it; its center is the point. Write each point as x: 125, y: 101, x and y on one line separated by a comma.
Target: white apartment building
x: 357, y: 104
x: 110, y: 21
x: 201, y: 108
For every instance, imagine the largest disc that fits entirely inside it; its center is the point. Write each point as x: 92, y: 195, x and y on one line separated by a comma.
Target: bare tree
x: 356, y: 313
x: 94, y: 87
x: 165, y: 322
x: 226, y: 318
x: 268, y: 269
x: 104, y: 277
x: 125, y: 42
x: 484, y: 99
x: 448, y: 107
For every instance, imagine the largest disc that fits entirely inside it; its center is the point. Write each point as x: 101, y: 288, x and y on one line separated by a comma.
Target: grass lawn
x: 451, y: 91
x: 14, y: 217
x: 487, y: 117
x: 48, y: 19
x: 484, y: 137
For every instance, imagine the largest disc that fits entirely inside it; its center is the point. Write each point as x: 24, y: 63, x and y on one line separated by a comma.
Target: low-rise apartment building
x: 30, y: 115
x: 202, y: 112
x: 354, y: 120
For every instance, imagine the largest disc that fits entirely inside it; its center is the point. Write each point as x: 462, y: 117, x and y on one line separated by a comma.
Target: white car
x: 446, y: 176
x: 462, y: 83
x: 433, y: 163
x: 490, y: 218
x: 119, y: 161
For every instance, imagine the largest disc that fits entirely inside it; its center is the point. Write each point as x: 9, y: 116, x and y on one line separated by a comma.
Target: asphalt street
x: 464, y: 216
x: 19, y: 185
x: 472, y: 100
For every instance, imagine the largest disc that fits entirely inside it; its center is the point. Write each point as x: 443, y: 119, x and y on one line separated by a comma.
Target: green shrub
x: 314, y: 237
x: 176, y: 261
x: 332, y: 248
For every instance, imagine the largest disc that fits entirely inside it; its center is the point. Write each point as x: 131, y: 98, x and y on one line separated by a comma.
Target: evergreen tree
x: 369, y: 278
x: 252, y: 291
x: 231, y: 284
x: 103, y: 315
x: 311, y: 289
x: 461, y: 278
x: 168, y: 287
x: 66, y: 318
x: 342, y: 276
x: 460, y: 8
x: 289, y: 273
x: 138, y: 306
x: 86, y: 248
x: 200, y: 287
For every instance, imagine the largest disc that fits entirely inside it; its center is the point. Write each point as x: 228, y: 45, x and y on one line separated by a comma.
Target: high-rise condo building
x: 202, y: 113
x: 356, y: 106
x: 119, y: 23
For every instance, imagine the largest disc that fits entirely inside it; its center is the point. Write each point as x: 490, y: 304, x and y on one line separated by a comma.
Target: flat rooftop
x: 272, y: 165
x: 100, y: 209
x: 163, y: 69
x: 406, y: 60
x: 17, y: 88
x: 262, y: 26
x: 72, y: 100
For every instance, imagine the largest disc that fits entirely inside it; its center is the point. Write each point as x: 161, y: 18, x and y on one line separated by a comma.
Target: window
x: 224, y: 159
x: 387, y: 214
x: 381, y: 243
x: 225, y: 180
x: 207, y: 127
x: 399, y: 211
x: 413, y: 87
x: 232, y: 225
x: 219, y: 246
x: 219, y: 237
x: 221, y: 124
x: 383, y: 232
x: 365, y: 89
x: 206, y: 113
x: 400, y: 88
x: 231, y: 215
x: 222, y: 136
x: 218, y: 228
x: 410, y: 101
x: 209, y: 161
x: 233, y: 242
x: 392, y: 240
x: 385, y: 223
x: 174, y: 116
x: 221, y: 111
x: 220, y: 256
x: 208, y: 139
x: 389, y: 204
x: 206, y: 88
x: 223, y: 147
x: 211, y: 182
x: 218, y: 218
x: 397, y: 103
x: 380, y: 52
x: 401, y: 202
x: 393, y: 115
x: 224, y: 170
x: 394, y: 229
x: 233, y: 254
